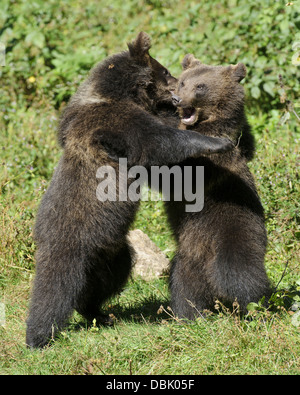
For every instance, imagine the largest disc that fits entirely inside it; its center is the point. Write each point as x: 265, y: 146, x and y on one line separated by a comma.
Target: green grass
x: 146, y: 343
x: 145, y: 339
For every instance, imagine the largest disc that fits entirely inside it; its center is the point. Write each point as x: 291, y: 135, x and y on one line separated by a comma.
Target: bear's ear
x: 239, y: 72
x: 189, y: 61
x: 139, y: 48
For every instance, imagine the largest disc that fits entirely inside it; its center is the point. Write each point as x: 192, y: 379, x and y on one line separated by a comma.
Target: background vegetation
x: 50, y: 47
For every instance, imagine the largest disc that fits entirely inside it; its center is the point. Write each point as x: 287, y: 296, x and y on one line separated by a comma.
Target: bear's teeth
x: 189, y: 116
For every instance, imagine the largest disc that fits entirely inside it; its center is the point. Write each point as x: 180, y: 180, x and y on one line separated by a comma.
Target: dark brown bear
x: 221, y: 248
x: 82, y: 256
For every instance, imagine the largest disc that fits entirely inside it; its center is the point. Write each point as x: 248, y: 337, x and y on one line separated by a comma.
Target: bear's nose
x: 176, y: 99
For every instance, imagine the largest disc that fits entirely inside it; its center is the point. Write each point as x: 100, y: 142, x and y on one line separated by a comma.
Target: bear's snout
x: 176, y: 100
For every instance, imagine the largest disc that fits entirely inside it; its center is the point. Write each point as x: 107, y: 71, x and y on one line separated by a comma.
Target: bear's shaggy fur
x: 83, y: 257
x: 221, y: 248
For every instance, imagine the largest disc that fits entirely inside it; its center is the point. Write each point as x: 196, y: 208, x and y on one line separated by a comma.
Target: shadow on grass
x: 144, y: 311
x: 156, y: 309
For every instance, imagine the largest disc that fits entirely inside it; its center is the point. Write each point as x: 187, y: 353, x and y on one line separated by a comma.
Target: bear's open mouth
x: 188, y: 115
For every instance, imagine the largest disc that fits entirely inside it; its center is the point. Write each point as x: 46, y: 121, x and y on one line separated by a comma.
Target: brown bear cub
x: 221, y: 249
x: 83, y: 257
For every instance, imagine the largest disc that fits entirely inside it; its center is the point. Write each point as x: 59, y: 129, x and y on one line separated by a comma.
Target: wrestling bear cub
x: 221, y: 249
x: 83, y: 256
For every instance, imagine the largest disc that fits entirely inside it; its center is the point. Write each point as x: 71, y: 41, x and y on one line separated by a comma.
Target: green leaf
x: 269, y: 87
x: 296, y: 59
x: 35, y: 38
x: 255, y: 92
x: 285, y: 117
x: 284, y: 25
x: 296, y: 319
x: 252, y: 306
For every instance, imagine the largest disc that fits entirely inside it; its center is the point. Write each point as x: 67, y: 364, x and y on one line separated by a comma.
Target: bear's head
x: 139, y: 53
x: 134, y: 75
x: 209, y: 92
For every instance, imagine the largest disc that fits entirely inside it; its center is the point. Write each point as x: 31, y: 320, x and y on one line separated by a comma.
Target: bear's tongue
x: 189, y: 116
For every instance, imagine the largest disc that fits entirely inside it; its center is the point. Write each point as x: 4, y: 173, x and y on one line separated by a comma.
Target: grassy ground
x: 147, y: 339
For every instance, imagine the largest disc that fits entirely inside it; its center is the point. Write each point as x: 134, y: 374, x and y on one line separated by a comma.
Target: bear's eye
x: 166, y: 73
x: 181, y: 85
x: 201, y: 87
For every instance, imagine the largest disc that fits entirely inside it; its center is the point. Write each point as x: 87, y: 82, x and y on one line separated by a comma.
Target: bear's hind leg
x: 190, y: 291
x: 105, y: 279
x: 55, y: 290
x: 239, y: 276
